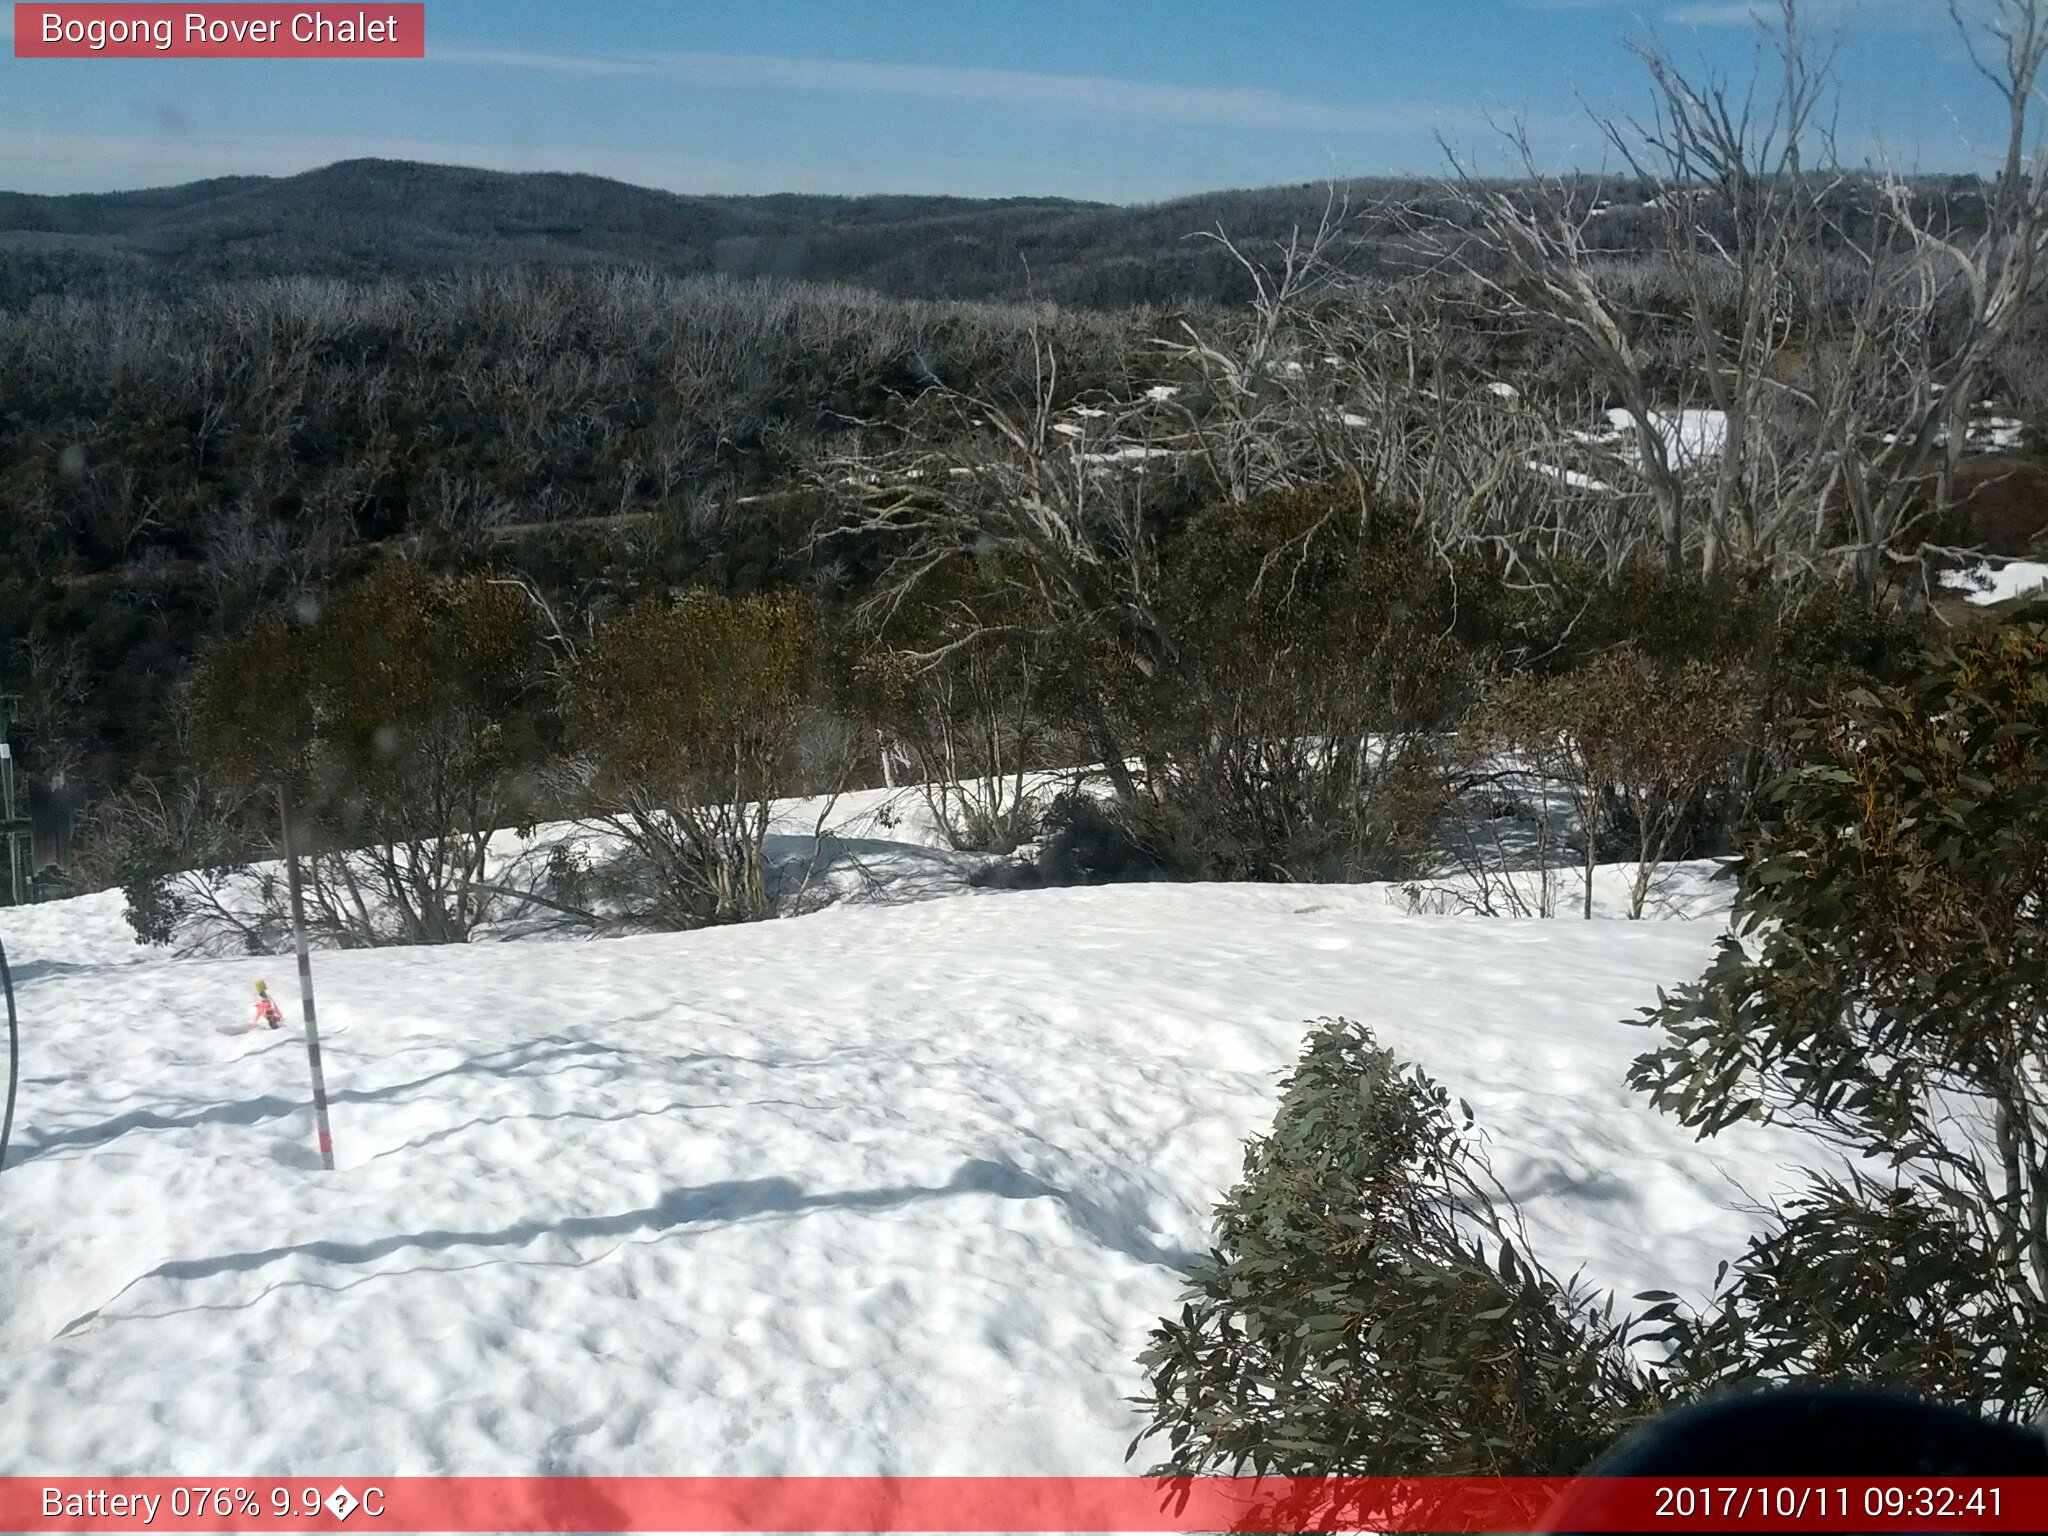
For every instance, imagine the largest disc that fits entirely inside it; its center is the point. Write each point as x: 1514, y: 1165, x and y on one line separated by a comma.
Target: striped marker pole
x: 291, y: 865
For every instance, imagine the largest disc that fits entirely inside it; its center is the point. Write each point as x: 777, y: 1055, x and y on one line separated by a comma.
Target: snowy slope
x: 891, y: 1189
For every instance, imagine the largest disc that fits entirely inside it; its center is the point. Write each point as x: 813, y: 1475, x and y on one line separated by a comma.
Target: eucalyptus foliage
x: 1887, y: 991
x: 1369, y: 1311
x: 688, y: 715
x: 403, y: 717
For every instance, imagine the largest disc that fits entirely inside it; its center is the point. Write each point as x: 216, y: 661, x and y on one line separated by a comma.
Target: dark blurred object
x: 1813, y: 1431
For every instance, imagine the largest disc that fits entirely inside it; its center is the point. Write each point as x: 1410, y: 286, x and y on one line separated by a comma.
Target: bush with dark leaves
x: 1368, y: 1311
x: 1887, y: 991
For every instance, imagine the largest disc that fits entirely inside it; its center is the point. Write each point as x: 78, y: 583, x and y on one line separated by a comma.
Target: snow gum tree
x: 1636, y: 749
x: 688, y: 715
x: 1887, y: 991
x: 403, y: 717
x: 1292, y: 734
x: 953, y: 676
x: 1369, y: 1309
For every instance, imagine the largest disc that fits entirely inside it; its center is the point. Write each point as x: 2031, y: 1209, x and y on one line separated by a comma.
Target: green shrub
x: 1293, y: 736
x: 1366, y: 1313
x: 1637, y: 749
x: 952, y: 678
x: 1792, y: 648
x: 1888, y: 993
x: 405, y: 718
x: 1089, y: 841
x: 690, y: 713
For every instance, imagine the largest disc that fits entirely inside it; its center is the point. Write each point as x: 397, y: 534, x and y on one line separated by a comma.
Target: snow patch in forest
x: 1989, y: 583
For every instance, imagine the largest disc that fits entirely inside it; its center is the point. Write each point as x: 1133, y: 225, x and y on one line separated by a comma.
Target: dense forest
x: 238, y: 396
x: 168, y: 466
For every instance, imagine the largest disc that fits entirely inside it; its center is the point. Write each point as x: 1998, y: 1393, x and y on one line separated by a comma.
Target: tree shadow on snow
x: 727, y: 1201
x: 513, y: 1061
x: 26, y: 972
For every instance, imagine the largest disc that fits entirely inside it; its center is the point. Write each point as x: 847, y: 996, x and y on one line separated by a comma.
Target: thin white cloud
x: 1722, y: 13
x: 1744, y: 13
x: 1080, y: 95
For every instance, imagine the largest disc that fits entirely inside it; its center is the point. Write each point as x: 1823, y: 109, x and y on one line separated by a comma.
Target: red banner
x: 1017, y: 1504
x: 238, y: 31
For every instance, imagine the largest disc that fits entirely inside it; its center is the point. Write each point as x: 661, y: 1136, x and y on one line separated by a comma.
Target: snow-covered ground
x: 887, y: 1188
x: 1989, y: 583
x: 874, y: 846
x: 1576, y: 479
x: 1690, y: 436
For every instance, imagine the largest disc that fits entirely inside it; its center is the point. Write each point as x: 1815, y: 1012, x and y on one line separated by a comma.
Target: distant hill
x: 362, y: 219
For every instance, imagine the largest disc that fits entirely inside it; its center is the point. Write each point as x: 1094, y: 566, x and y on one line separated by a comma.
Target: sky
x: 1110, y: 100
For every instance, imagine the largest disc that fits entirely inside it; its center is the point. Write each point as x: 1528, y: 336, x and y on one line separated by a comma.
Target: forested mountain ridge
x: 363, y: 219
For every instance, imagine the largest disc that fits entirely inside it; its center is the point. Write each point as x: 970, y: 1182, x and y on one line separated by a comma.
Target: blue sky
x: 1118, y: 100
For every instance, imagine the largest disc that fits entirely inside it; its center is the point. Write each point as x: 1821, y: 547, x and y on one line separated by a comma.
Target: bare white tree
x: 1807, y: 407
